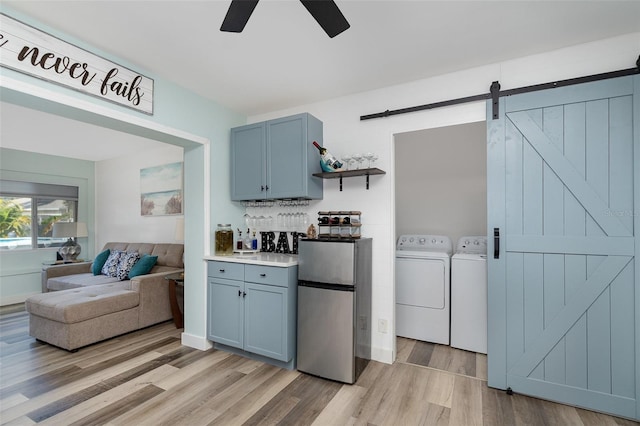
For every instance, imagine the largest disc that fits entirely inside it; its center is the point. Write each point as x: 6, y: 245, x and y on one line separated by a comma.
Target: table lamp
x: 70, y: 250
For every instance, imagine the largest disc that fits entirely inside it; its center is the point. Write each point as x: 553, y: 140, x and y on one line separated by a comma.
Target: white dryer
x: 469, y: 295
x: 423, y: 264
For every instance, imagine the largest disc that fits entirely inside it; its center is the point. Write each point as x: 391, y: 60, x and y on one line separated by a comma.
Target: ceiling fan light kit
x: 325, y: 12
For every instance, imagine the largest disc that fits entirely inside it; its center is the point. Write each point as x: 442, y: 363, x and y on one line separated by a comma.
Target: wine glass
x: 373, y: 159
x: 346, y: 159
x: 369, y: 156
x: 358, y: 158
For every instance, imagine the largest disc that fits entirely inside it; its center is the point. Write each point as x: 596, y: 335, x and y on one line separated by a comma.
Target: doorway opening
x: 440, y: 189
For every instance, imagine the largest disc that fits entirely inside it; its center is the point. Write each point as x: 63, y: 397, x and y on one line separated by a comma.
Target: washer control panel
x: 472, y: 245
x: 438, y: 243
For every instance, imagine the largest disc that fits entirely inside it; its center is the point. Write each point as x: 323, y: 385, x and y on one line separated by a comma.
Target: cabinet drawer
x: 269, y: 275
x: 228, y: 270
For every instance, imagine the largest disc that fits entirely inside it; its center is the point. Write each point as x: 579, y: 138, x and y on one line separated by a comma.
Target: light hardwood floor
x: 148, y: 378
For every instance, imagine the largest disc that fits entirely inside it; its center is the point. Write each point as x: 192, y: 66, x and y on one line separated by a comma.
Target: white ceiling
x: 283, y: 58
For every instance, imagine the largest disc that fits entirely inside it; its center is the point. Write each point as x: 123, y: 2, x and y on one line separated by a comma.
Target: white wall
x: 441, y: 181
x: 118, y: 200
x: 345, y: 133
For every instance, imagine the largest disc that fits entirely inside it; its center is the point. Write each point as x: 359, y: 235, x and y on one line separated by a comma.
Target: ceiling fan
x: 325, y: 12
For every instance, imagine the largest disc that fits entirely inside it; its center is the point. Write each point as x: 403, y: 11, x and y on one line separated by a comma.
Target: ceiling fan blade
x: 328, y: 15
x: 238, y: 15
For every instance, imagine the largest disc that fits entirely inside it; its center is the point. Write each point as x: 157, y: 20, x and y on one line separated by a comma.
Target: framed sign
x: 30, y: 51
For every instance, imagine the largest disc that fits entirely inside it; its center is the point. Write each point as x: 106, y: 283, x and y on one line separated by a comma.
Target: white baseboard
x: 14, y: 300
x: 382, y: 355
x: 203, y: 344
x: 196, y: 342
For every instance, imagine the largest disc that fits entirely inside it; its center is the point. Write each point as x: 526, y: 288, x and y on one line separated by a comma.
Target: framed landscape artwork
x: 161, y: 190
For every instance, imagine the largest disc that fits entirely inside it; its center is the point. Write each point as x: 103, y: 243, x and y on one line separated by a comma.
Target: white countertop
x: 260, y: 258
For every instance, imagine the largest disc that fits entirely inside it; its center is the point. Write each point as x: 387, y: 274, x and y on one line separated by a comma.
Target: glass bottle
x: 224, y: 240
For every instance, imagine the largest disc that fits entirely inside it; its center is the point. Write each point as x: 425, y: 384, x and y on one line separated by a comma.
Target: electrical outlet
x: 383, y: 326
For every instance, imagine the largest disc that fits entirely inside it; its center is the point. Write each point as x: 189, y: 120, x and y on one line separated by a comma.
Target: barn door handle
x: 496, y: 243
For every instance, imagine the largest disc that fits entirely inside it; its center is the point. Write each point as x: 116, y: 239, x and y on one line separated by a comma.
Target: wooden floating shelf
x: 350, y: 173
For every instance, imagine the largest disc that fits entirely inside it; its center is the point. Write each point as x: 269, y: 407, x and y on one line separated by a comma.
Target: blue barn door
x: 564, y: 204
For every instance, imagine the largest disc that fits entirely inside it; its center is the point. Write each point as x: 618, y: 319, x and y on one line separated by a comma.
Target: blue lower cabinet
x: 225, y: 312
x: 256, y: 317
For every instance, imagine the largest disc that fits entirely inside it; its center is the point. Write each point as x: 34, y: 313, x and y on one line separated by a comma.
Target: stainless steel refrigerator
x: 334, y: 307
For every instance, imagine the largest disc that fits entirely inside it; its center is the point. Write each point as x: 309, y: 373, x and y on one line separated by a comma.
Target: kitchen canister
x: 224, y: 240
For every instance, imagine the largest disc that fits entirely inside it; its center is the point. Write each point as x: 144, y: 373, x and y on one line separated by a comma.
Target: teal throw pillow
x: 143, y: 266
x: 99, y: 261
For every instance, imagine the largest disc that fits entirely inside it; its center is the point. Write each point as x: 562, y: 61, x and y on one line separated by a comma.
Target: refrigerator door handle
x: 326, y: 286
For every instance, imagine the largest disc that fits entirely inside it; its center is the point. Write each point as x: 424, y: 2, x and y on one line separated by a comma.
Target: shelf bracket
x: 367, y: 181
x: 340, y: 183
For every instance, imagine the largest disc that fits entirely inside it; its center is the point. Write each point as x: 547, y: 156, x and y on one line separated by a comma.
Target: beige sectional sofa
x: 78, y: 308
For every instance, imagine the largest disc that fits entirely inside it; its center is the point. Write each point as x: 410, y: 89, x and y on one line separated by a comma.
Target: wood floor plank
x: 125, y: 404
x: 314, y: 393
x: 560, y: 414
x: 404, y: 347
x: 466, y: 405
x: 406, y: 405
x: 195, y: 389
x: 340, y: 409
x: 377, y: 392
x: 311, y: 394
x: 12, y: 401
x: 527, y: 411
x: 103, y: 386
x: 593, y: 418
x: 110, y: 403
x: 453, y: 360
x: 224, y: 398
x: 439, y: 386
x: 248, y: 405
x: 196, y: 369
x: 421, y: 353
x: 497, y: 408
x: 22, y: 421
x: 55, y: 394
x: 481, y: 367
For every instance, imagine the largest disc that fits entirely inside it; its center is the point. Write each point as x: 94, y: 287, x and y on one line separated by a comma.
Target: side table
x: 62, y: 262
x: 175, y: 280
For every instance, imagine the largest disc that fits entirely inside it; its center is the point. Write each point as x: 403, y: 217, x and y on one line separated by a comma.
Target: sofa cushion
x: 110, y: 267
x: 76, y: 305
x: 143, y: 266
x: 99, y: 262
x: 170, y: 255
x: 126, y: 262
x: 78, y: 280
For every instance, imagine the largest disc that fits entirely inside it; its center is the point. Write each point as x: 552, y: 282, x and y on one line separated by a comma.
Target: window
x: 28, y: 211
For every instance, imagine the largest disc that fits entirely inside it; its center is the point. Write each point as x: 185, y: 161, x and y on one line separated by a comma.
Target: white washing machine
x: 423, y: 264
x: 469, y: 295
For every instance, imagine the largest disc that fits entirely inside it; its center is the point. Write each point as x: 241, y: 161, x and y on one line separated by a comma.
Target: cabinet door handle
x: 496, y: 243
x: 239, y: 293
x: 221, y: 271
x: 261, y: 188
x: 267, y: 187
x: 244, y: 294
x: 263, y: 275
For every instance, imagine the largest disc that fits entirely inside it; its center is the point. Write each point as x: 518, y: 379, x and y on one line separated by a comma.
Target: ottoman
x: 78, y: 317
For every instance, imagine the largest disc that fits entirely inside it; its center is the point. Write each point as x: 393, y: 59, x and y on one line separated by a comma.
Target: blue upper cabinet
x: 248, y: 165
x: 276, y: 159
